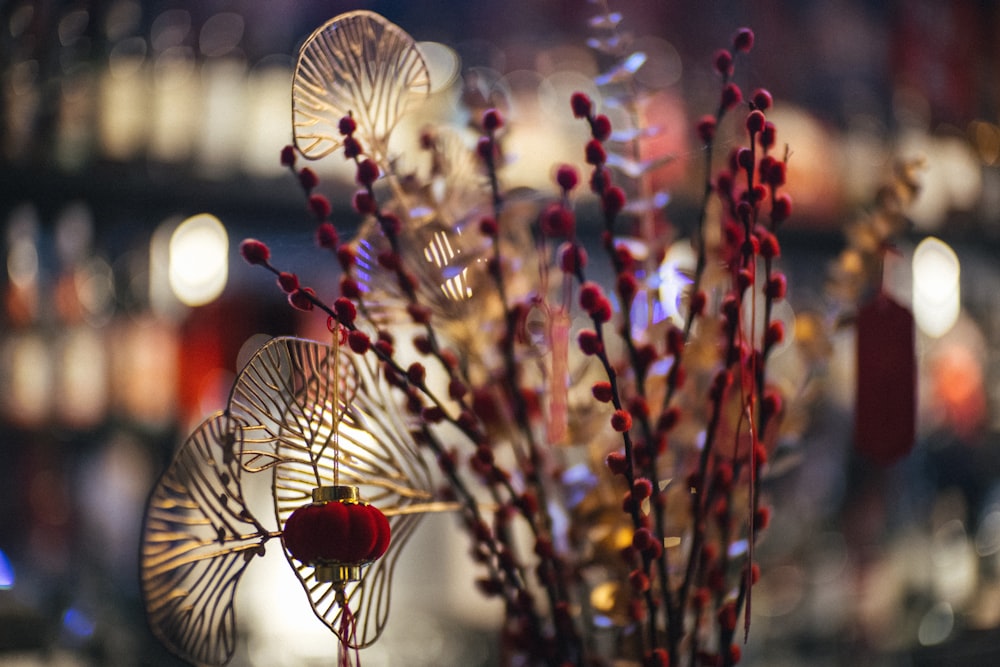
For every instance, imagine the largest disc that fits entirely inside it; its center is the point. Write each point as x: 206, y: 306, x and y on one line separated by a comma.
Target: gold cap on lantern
x: 341, y: 492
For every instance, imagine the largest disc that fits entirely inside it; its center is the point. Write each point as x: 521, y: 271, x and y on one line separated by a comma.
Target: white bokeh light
x: 199, y: 260
x: 936, y: 290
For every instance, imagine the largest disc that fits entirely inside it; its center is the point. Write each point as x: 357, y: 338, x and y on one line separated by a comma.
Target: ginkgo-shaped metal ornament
x: 356, y: 64
x: 322, y: 422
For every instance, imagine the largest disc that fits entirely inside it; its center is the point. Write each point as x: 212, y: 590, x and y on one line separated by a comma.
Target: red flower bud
x: 492, y: 120
x: 358, y: 341
x: 768, y: 136
x: 744, y: 158
x: 698, y: 302
x: 723, y: 61
x: 486, y: 148
x: 288, y: 156
x: 639, y: 581
x: 602, y: 391
x: 613, y: 201
x: 617, y: 463
x: 572, y: 258
x: 255, y: 252
x: 706, y: 129
x: 602, y: 312
x: 777, y: 286
x: 368, y: 172
x: 308, y: 178
x: 557, y: 221
x: 621, y: 421
x: 326, y: 235
x: 627, y: 286
x: 743, y: 40
x: 416, y: 374
x: 581, y: 105
x: 352, y: 148
x: 364, y: 203
x: 488, y: 227
x: 590, y: 296
x: 567, y: 177
x: 600, y: 128
x: 775, y: 176
x: 300, y: 299
x: 288, y: 282
x: 594, y: 153
x: 769, y: 246
x: 781, y: 209
x: 762, y: 99
x: 731, y: 96
x: 642, y: 488
x: 346, y: 310
x: 589, y: 342
x: 755, y: 121
x: 349, y: 287
x: 775, y: 333
x: 346, y: 256
x: 347, y: 125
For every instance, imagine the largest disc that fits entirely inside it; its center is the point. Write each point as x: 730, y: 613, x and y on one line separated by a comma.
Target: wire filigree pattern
x: 197, y: 540
x: 310, y: 435
x: 357, y: 63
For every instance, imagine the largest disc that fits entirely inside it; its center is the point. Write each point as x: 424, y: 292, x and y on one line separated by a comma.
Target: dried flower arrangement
x: 605, y: 446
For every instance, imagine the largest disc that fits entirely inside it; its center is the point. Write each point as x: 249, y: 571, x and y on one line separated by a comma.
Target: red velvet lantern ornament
x: 337, y: 534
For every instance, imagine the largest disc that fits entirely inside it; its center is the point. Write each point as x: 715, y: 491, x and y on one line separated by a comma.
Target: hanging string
x: 338, y: 332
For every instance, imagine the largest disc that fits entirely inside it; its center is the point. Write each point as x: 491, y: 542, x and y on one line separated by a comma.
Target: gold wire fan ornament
x: 321, y: 421
x: 360, y: 64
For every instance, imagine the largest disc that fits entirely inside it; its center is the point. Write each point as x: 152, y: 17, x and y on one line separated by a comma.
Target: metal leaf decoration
x: 319, y: 417
x: 357, y: 63
x: 198, y: 538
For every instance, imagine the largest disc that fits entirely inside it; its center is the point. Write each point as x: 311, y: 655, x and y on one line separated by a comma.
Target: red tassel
x: 348, y: 637
x: 885, y: 417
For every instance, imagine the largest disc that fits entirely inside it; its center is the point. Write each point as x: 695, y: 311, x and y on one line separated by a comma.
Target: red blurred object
x: 885, y: 415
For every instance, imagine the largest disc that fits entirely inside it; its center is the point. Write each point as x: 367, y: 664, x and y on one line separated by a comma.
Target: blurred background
x: 139, y: 145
